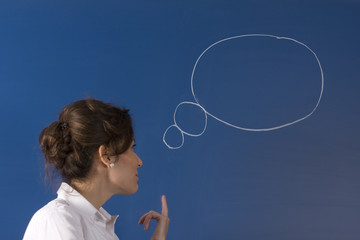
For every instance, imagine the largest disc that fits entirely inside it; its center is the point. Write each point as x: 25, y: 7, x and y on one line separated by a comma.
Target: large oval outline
x: 259, y: 129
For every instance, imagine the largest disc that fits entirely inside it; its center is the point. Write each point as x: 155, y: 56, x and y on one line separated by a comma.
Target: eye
x: 134, y: 146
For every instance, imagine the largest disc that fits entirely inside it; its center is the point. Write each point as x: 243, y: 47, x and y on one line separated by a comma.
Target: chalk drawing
x: 206, y: 113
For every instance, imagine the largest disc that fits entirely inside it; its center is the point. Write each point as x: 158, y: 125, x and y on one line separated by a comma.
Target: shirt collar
x: 82, y: 205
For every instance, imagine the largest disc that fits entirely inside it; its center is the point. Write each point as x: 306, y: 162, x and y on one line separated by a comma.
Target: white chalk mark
x: 182, y: 131
x: 196, y: 103
x: 182, y: 137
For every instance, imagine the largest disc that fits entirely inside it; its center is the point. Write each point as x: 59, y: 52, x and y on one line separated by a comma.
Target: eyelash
x: 134, y: 146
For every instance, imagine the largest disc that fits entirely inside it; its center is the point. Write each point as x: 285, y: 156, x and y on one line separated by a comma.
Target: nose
x: 140, y: 163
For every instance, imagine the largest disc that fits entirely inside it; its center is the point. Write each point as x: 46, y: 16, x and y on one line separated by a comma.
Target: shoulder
x: 57, y: 210
x: 55, y: 218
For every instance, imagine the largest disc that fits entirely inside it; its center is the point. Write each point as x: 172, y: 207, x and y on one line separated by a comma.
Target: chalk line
x: 196, y: 103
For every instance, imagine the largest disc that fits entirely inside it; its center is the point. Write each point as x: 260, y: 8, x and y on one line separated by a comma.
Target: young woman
x: 92, y: 147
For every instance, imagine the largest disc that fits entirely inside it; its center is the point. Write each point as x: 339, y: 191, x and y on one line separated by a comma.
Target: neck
x: 94, y: 191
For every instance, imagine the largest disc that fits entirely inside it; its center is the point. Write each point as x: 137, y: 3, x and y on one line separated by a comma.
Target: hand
x: 162, y: 219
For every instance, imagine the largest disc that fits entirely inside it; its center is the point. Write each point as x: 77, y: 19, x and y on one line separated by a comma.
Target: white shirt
x: 70, y: 216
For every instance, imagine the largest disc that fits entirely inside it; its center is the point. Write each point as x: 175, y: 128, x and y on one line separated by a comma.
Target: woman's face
x: 124, y: 175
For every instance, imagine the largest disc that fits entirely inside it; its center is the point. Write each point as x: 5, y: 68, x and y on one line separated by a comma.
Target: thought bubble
x: 219, y: 118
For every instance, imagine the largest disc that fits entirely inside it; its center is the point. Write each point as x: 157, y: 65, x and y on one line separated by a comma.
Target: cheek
x: 120, y: 176
x: 123, y: 182
x: 117, y: 176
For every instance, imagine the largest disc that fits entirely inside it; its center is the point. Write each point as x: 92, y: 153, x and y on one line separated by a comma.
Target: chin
x: 129, y: 192
x: 137, y: 188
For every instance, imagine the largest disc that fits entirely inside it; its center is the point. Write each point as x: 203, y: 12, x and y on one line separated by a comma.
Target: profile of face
x: 123, y: 176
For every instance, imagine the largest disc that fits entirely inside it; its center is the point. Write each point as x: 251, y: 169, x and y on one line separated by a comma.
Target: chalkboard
x: 225, y: 69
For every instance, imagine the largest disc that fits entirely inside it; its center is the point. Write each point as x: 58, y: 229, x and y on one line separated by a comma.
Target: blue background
x: 300, y: 182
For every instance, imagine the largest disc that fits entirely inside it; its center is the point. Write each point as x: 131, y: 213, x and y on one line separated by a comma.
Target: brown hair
x: 69, y: 144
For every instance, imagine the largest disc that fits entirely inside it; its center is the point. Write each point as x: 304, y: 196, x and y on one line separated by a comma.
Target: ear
x: 103, y: 155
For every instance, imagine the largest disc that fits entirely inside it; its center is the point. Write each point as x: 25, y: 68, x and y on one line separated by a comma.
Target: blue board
x: 297, y: 182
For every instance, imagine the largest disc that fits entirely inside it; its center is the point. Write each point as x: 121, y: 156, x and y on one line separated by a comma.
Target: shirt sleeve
x: 56, y: 224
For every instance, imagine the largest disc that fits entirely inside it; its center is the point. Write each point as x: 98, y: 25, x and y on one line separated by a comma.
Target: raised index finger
x: 165, y: 210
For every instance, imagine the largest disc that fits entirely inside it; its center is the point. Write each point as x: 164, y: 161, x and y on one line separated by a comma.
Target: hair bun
x: 55, y: 144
